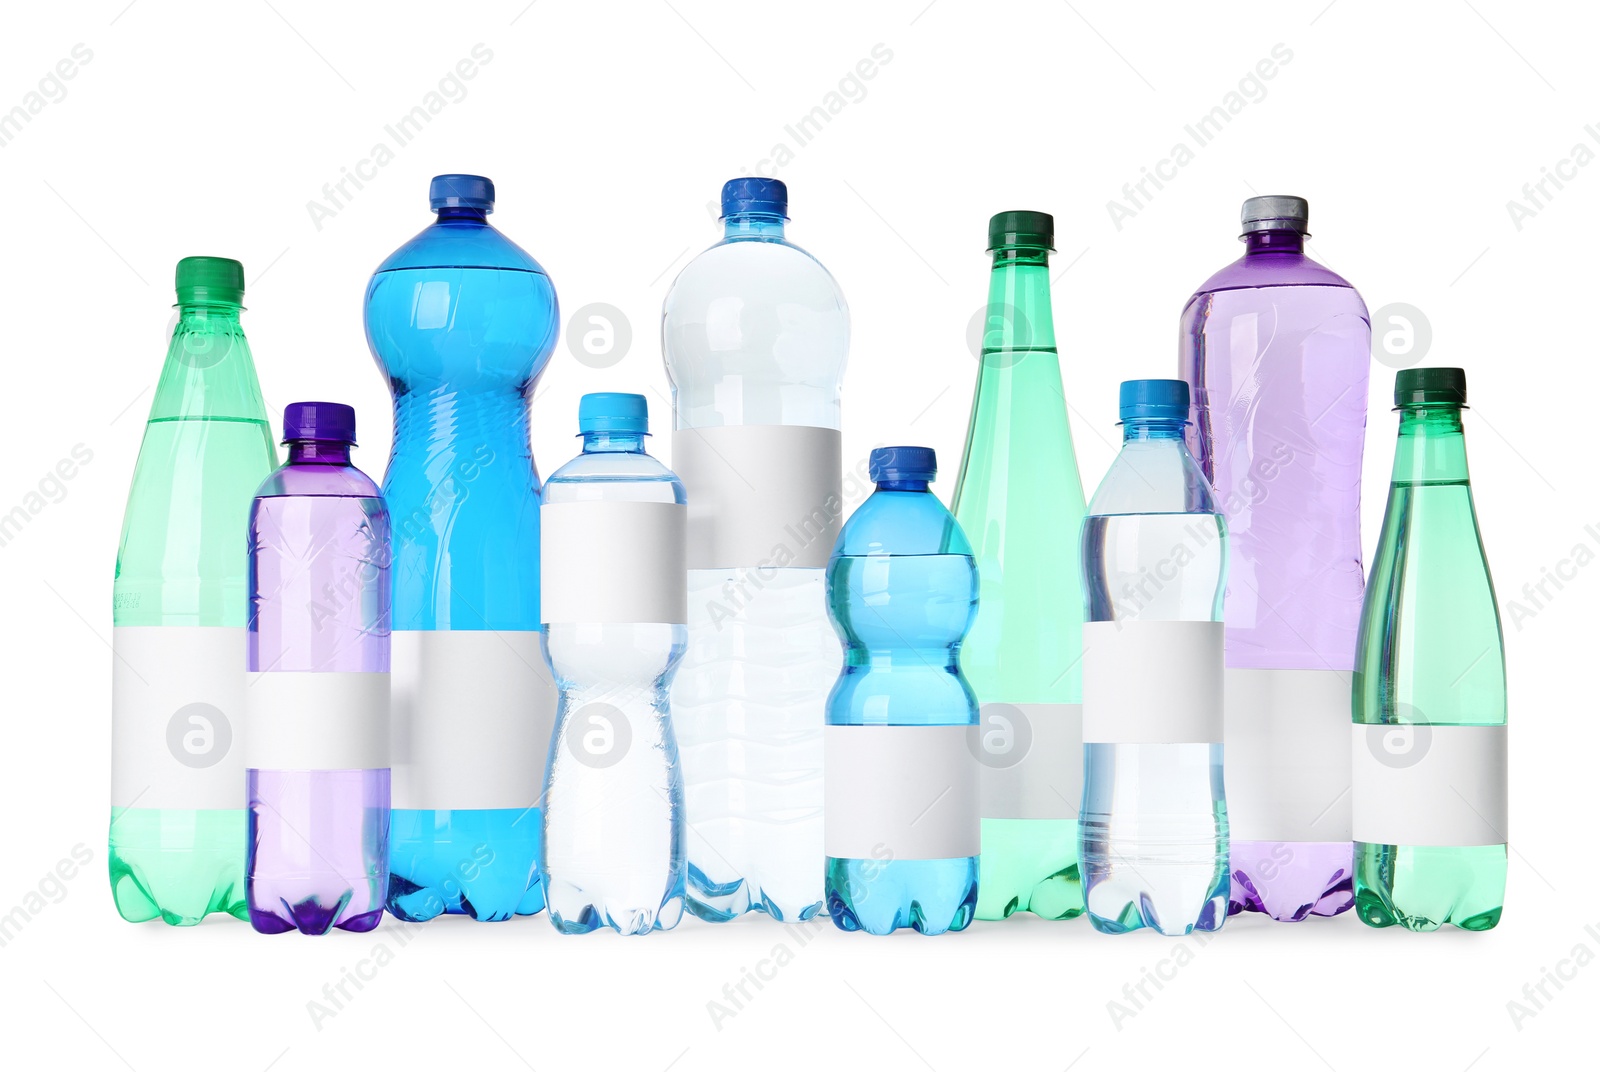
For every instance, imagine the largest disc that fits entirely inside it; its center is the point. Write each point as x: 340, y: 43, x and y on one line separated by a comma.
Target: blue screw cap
x: 1163, y: 400
x: 754, y: 195
x: 612, y: 411
x: 461, y: 191
x: 902, y: 463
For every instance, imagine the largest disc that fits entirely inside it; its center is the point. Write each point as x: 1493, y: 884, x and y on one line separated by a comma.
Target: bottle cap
x: 210, y: 279
x: 1162, y: 400
x: 1430, y: 386
x: 1021, y: 228
x: 323, y: 422
x: 611, y: 411
x: 902, y: 463
x: 1275, y: 212
x: 755, y: 195
x: 461, y: 191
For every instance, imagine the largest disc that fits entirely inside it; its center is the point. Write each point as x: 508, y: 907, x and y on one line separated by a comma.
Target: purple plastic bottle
x: 317, y: 705
x: 1276, y: 350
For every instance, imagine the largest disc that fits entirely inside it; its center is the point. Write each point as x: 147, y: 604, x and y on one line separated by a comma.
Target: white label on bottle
x: 760, y: 494
x: 899, y: 793
x: 299, y: 720
x: 611, y: 562
x: 1032, y: 760
x: 1287, y: 769
x: 1152, y: 682
x: 471, y: 715
x: 1428, y: 785
x: 177, y: 711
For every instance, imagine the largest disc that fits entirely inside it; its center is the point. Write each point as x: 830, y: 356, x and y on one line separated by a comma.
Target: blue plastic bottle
x: 901, y: 825
x: 615, y: 601
x: 462, y: 322
x: 1154, y: 822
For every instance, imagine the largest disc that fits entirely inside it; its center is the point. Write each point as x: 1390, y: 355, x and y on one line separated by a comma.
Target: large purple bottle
x: 317, y: 705
x: 1276, y: 350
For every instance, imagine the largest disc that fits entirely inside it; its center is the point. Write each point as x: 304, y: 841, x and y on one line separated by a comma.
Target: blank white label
x: 1032, y: 760
x: 899, y: 793
x: 177, y: 713
x: 760, y: 494
x: 1152, y: 682
x: 470, y: 718
x: 1429, y: 785
x: 613, y: 562
x: 1288, y: 767
x: 299, y: 720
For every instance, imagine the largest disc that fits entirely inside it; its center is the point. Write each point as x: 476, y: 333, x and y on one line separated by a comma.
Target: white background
x: 200, y: 128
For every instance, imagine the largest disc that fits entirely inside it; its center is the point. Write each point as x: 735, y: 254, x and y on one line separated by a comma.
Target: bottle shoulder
x: 460, y: 244
x: 1272, y: 270
x: 337, y: 481
x: 747, y: 265
x: 901, y: 523
x: 1153, y: 477
x: 621, y: 476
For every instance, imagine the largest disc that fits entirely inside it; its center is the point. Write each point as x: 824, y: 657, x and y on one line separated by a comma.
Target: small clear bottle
x: 614, y: 597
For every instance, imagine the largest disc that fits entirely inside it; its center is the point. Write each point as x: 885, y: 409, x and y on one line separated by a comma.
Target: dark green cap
x: 1021, y: 228
x: 210, y: 279
x: 1430, y: 386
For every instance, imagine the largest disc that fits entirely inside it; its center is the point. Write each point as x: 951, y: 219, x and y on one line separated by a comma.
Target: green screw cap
x: 1022, y: 229
x: 210, y: 279
x: 1430, y: 386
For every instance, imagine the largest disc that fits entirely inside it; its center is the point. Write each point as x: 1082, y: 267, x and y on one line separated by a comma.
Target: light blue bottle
x: 1154, y: 835
x: 901, y: 826
x: 614, y: 527
x: 462, y: 322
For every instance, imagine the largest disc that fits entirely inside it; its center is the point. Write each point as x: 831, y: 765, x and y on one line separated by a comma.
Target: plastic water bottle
x: 176, y: 845
x: 317, y: 702
x: 1276, y: 349
x: 1430, y: 692
x: 902, y: 828
x: 1020, y: 501
x: 755, y: 334
x: 462, y: 322
x: 614, y: 531
x: 1154, y: 818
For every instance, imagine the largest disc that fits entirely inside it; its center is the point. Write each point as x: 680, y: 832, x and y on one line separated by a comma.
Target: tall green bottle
x: 1020, y: 502
x: 1429, y: 697
x: 177, y: 840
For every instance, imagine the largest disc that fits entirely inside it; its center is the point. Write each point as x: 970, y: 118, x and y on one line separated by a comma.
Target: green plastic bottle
x: 177, y: 840
x: 1429, y: 698
x: 1020, y: 502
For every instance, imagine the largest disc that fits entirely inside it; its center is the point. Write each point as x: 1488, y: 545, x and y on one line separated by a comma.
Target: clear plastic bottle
x: 903, y: 831
x: 614, y: 527
x: 1154, y: 817
x: 317, y: 746
x: 1276, y: 349
x: 177, y: 836
x: 462, y: 322
x: 755, y: 334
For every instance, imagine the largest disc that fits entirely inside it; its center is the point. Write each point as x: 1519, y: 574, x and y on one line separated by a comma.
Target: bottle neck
x: 902, y: 484
x: 1018, y: 320
x: 1256, y: 242
x: 613, y: 443
x: 204, y: 315
x: 1144, y: 429
x: 1432, y: 448
x: 752, y: 224
x: 318, y: 452
x: 459, y: 214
